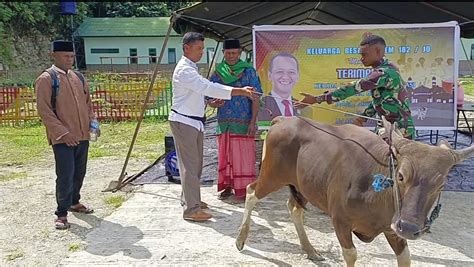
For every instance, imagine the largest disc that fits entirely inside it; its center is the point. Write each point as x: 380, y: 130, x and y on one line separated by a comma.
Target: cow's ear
x: 444, y: 144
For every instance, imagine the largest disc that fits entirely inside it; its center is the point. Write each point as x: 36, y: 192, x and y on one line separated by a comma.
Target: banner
x: 317, y: 58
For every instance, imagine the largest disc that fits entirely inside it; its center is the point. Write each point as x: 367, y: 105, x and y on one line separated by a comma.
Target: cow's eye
x: 400, y: 177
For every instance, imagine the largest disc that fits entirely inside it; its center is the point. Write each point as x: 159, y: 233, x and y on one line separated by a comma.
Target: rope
x: 396, y: 189
x: 314, y: 106
x: 434, y: 214
x: 345, y: 139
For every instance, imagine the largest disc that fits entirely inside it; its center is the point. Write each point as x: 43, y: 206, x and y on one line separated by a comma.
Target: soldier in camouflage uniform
x: 389, y: 93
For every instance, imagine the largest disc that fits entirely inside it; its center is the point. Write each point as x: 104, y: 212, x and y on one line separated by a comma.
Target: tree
x: 28, y: 22
x: 136, y: 9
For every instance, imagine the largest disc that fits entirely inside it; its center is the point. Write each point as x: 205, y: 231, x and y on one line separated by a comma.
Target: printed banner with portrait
x: 317, y: 58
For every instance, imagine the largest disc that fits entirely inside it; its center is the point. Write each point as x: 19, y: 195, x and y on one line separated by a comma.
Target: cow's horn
x: 396, y: 134
x: 463, y: 154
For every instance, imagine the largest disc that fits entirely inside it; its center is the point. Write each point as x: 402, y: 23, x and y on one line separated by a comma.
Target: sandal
x: 204, y: 205
x: 80, y: 208
x: 61, y: 223
x: 225, y: 194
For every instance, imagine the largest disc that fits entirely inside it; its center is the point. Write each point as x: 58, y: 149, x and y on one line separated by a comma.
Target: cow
x: 333, y: 168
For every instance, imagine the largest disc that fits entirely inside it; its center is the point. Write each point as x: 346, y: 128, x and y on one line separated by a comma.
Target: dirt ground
x: 27, y: 236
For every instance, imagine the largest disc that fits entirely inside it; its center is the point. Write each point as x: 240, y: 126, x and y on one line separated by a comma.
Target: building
x: 466, y: 57
x: 134, y: 44
x: 468, y: 46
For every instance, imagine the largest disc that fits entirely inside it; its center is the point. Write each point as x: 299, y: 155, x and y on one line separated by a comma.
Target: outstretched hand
x: 216, y: 103
x: 359, y: 121
x: 306, y: 101
x: 251, y: 93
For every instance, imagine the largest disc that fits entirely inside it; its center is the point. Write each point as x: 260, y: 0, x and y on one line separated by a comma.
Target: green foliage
x: 116, y: 138
x: 33, y: 19
x: 14, y: 254
x: 22, y: 144
x: 73, y: 247
x: 101, y: 77
x: 136, y: 9
x: 29, y: 19
x: 114, y: 201
x: 18, y: 78
x: 468, y: 85
x: 8, y: 176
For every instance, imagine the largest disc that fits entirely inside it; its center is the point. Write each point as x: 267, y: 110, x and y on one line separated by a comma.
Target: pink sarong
x: 236, y: 162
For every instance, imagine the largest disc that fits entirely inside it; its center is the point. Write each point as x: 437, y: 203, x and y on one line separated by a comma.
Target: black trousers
x: 71, y: 162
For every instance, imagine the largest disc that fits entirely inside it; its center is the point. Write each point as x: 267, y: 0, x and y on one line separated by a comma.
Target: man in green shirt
x: 389, y: 94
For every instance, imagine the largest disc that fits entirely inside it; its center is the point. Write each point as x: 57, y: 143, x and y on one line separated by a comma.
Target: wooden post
x: 212, y: 61
x: 116, y: 186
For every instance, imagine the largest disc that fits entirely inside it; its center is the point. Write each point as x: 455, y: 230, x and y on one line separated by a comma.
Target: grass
x: 45, y: 232
x: 468, y: 85
x: 12, y: 176
x: 74, y: 247
x: 14, y: 254
x: 114, y: 201
x: 19, y: 145
x: 28, y: 143
x: 116, y: 138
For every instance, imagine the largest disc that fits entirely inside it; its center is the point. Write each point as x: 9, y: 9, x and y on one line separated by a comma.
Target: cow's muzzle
x: 407, y: 230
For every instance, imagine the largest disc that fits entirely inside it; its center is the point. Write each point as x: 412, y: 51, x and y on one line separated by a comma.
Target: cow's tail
x: 297, y: 196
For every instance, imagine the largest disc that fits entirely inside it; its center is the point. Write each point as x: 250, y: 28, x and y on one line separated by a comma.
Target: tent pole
x: 212, y: 61
x: 116, y: 185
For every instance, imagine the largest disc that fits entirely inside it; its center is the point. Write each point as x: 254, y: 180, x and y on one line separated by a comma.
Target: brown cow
x: 332, y: 167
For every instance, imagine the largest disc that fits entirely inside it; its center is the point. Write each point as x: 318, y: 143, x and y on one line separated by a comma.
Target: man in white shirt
x: 187, y: 118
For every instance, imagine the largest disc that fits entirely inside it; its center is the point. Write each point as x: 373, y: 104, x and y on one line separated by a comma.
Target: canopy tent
x: 220, y: 20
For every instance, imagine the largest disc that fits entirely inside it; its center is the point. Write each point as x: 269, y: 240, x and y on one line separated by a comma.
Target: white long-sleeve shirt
x: 189, y: 90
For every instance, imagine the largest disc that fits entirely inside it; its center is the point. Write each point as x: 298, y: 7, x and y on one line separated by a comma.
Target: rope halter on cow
x: 381, y: 182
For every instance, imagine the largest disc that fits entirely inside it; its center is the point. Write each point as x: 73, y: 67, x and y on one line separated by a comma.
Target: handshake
x: 310, y: 99
x: 247, y: 91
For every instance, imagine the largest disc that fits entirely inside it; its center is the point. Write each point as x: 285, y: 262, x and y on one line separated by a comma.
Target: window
x: 152, y: 54
x: 104, y: 50
x: 210, y: 54
x: 171, y: 56
x: 133, y: 56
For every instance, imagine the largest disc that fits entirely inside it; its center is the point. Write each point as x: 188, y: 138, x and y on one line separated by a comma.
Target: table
x: 461, y: 113
x: 467, y: 107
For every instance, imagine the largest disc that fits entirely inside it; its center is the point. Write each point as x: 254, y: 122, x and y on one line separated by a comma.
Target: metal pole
x: 73, y: 44
x: 212, y: 61
x: 116, y: 186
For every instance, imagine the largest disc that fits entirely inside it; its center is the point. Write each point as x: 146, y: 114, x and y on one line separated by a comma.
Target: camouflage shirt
x: 389, y: 96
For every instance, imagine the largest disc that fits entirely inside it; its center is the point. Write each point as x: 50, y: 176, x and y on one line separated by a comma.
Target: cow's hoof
x: 315, y: 256
x: 239, y: 244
